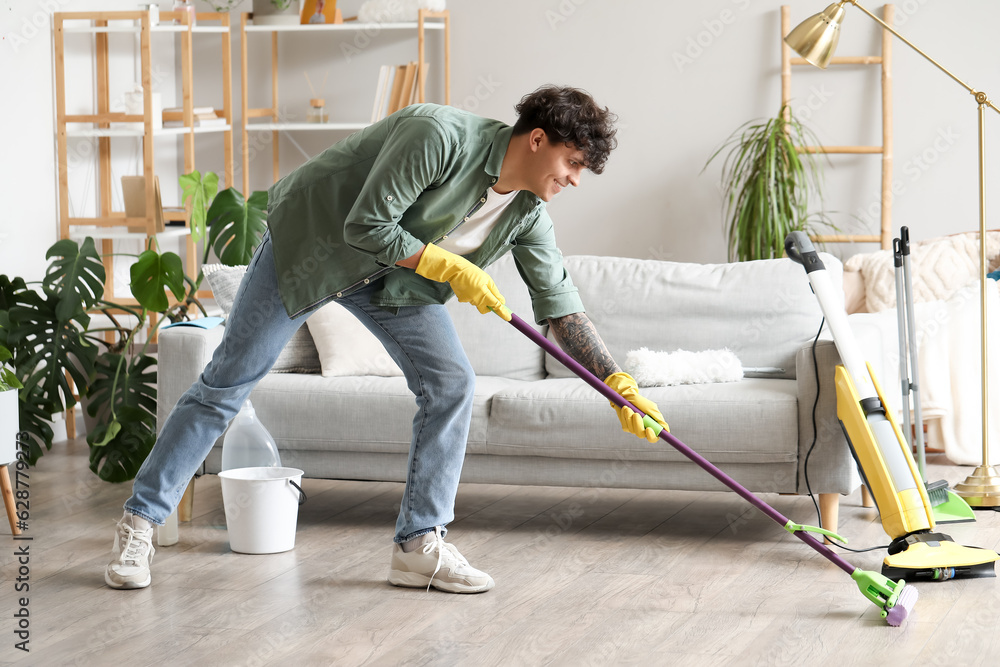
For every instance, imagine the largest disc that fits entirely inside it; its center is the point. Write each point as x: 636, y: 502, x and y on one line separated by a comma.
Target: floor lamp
x: 815, y: 39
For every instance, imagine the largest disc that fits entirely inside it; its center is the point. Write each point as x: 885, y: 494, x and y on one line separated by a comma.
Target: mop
x: 946, y: 505
x: 881, y: 452
x: 894, y: 599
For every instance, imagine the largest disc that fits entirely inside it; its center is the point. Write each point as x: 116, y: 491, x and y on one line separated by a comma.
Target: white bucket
x: 262, y: 508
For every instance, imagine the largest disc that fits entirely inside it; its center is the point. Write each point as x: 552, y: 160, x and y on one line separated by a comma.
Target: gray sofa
x: 534, y: 423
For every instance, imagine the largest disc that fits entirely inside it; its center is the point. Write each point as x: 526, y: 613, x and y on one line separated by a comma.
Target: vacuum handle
x: 801, y: 251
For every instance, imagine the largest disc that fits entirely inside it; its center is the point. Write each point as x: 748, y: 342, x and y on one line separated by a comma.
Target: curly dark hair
x: 569, y: 116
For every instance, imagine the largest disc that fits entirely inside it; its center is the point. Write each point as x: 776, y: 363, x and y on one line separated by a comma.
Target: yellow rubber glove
x: 632, y: 422
x: 470, y: 283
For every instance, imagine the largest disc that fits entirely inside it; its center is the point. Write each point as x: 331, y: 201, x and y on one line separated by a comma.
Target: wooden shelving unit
x: 106, y: 125
x: 427, y: 20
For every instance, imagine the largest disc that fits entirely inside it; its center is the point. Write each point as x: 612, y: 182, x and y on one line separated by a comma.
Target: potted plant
x: 276, y: 11
x: 51, y: 334
x: 9, y: 386
x: 768, y: 186
x: 54, y: 344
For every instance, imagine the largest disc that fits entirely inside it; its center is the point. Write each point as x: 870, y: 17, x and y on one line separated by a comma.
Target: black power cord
x: 805, y: 467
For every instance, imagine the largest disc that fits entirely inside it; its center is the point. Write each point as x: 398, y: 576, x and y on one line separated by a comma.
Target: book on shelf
x: 396, y: 90
x: 175, y: 216
x: 398, y: 87
x: 176, y: 115
x: 384, y: 75
x: 209, y: 322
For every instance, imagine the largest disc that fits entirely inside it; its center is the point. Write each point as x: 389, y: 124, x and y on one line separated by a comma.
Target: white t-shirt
x: 469, y: 236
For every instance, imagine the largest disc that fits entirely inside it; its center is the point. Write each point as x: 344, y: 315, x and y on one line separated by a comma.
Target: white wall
x: 681, y: 76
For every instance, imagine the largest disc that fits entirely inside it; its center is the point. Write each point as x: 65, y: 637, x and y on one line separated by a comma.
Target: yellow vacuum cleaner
x: 878, y: 446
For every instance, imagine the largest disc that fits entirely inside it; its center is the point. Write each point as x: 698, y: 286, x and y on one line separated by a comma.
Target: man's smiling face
x: 553, y: 167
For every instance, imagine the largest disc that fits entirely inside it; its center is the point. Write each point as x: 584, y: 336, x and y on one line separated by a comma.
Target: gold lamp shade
x: 815, y: 39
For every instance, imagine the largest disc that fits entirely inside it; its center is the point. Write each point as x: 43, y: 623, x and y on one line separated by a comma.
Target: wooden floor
x: 584, y: 577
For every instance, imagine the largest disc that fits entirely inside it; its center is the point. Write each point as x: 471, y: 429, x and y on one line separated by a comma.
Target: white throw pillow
x: 940, y: 267
x: 299, y: 354
x: 346, y: 347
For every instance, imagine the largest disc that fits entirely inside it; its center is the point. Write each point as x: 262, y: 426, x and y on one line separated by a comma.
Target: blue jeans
x: 420, y: 339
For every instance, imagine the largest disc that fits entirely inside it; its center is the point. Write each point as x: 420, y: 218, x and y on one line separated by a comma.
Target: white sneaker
x: 439, y: 564
x: 133, y: 550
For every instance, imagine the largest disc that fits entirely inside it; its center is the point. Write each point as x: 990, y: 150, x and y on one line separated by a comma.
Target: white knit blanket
x: 948, y: 339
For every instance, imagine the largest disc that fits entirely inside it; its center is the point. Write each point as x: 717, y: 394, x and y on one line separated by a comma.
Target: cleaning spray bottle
x: 247, y: 443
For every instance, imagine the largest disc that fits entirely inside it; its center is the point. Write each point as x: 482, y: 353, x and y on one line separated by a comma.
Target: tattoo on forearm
x: 577, y: 335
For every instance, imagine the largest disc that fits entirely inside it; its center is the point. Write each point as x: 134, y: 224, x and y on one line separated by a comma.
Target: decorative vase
x: 272, y: 12
x: 186, y: 6
x: 8, y: 426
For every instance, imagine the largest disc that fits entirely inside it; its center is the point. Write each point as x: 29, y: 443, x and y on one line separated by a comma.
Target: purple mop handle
x: 617, y: 399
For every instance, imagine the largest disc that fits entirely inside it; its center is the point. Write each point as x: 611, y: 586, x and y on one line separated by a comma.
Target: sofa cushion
x: 345, y: 346
x: 299, y: 354
x: 763, y: 311
x: 494, y: 347
x: 751, y: 421
x: 354, y: 414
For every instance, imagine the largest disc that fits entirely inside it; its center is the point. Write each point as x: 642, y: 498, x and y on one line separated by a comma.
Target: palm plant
x: 768, y: 184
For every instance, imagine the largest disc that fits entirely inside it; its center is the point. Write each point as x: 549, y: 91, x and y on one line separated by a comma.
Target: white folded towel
x: 663, y: 369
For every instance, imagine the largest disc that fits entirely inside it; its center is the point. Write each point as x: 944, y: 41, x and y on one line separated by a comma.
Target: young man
x: 391, y: 222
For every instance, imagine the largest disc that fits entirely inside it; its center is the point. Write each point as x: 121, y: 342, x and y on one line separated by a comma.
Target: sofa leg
x: 829, y: 512
x: 186, y: 508
x: 866, y: 497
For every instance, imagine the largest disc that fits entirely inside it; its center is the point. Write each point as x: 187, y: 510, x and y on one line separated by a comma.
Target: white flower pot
x: 8, y: 426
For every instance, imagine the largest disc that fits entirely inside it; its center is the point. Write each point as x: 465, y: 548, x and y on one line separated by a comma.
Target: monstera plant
x: 234, y: 224
x: 8, y: 380
x: 55, y: 344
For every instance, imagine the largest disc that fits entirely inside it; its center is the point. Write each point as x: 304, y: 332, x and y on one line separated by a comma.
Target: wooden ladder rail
x: 884, y: 237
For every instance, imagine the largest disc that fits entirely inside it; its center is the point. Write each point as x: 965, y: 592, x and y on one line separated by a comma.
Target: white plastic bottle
x: 247, y: 443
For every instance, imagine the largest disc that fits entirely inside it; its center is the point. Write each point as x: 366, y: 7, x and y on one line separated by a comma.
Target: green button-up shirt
x: 343, y: 219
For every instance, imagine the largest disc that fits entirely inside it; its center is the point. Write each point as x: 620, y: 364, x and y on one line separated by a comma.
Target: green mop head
x: 895, y: 599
